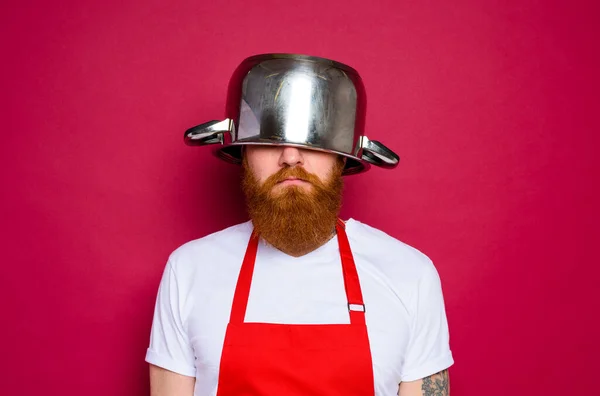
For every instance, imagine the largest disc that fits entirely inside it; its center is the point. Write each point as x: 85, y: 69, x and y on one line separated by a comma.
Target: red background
x: 492, y: 106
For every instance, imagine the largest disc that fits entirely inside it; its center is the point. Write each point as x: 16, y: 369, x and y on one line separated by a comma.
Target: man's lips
x: 292, y: 180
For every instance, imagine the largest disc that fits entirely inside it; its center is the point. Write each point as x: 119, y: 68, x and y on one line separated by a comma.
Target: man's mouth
x: 292, y: 180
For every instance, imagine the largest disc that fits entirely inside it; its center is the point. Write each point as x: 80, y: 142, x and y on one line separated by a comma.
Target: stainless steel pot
x: 295, y: 100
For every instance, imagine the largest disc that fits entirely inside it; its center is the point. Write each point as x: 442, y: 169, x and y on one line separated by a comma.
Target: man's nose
x: 291, y: 156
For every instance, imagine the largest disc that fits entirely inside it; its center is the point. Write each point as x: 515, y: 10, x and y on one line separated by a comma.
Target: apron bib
x: 269, y: 359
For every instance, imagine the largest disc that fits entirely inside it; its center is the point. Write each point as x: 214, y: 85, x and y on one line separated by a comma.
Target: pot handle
x: 378, y: 154
x: 211, y: 132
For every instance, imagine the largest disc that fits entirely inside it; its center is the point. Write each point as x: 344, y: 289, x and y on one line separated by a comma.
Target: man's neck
x: 304, y: 251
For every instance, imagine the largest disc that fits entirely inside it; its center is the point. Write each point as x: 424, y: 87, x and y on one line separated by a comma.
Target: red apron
x: 268, y: 359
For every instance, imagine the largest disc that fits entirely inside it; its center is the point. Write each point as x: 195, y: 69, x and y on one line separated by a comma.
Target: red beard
x: 294, y: 220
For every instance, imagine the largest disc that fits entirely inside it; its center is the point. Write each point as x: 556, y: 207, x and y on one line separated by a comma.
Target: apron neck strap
x: 354, y: 297
x: 356, y: 305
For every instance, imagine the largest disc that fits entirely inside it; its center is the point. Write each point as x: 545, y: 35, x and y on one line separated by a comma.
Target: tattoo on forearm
x: 436, y: 384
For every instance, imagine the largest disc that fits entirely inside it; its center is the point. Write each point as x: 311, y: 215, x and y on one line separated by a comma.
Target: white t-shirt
x: 405, y: 315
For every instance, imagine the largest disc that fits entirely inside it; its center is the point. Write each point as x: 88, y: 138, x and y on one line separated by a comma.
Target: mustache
x: 296, y: 172
x: 294, y: 220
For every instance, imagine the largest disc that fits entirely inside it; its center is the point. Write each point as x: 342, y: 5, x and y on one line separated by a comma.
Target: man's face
x: 265, y: 161
x: 293, y: 195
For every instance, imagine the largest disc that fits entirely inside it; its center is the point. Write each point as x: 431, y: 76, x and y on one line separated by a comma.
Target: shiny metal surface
x: 209, y: 133
x: 297, y: 100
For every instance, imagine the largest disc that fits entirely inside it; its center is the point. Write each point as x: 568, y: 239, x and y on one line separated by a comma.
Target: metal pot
x: 295, y: 100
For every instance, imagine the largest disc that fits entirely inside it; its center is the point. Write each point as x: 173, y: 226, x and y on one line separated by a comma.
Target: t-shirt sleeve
x: 170, y: 347
x: 428, y: 350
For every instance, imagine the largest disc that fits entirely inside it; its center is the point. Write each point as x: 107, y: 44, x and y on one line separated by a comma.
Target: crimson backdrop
x: 491, y: 104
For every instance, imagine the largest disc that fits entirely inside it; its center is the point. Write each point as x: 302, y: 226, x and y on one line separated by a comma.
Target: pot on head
x: 295, y: 100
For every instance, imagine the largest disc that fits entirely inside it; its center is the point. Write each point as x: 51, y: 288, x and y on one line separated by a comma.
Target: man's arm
x: 434, y: 385
x: 167, y: 383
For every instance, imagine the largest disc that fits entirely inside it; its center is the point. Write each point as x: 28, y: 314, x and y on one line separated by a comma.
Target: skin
x: 167, y: 383
x: 264, y: 161
x: 435, y: 385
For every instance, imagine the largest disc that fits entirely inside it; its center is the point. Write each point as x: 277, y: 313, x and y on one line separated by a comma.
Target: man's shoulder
x: 387, y: 251
x: 214, y: 246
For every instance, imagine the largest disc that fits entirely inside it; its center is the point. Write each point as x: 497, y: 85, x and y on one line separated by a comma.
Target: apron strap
x: 242, y: 289
x: 356, y: 306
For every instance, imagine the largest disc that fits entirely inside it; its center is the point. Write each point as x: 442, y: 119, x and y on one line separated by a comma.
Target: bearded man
x: 296, y: 301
